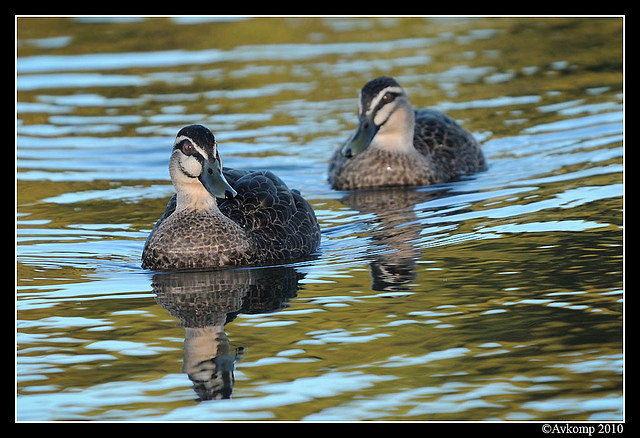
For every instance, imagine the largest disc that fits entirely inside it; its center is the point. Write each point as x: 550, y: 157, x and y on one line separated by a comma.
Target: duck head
x: 386, y: 118
x: 196, y: 168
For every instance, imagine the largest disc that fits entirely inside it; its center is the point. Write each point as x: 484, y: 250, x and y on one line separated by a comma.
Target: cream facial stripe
x: 375, y: 102
x: 201, y: 151
x: 383, y: 111
x: 179, y: 139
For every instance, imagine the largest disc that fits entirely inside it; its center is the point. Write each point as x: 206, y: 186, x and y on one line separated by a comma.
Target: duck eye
x: 187, y: 147
x: 387, y: 97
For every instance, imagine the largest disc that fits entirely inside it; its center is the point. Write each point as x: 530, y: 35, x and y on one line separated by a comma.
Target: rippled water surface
x: 497, y: 297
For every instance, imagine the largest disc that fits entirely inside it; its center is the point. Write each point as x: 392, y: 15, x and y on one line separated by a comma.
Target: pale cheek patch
x: 191, y: 166
x: 183, y: 168
x: 383, y: 114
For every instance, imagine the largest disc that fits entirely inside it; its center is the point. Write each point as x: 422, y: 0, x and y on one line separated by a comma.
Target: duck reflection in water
x: 204, y: 301
x: 396, y: 231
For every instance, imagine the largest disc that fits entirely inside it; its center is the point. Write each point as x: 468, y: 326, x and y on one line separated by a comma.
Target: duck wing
x: 453, y: 150
x: 280, y: 219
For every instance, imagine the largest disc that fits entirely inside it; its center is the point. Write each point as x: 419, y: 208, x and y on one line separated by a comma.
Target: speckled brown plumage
x: 265, y: 222
x: 445, y: 151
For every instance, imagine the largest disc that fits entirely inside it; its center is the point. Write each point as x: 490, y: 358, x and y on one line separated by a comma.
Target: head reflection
x: 395, y: 231
x: 204, y: 302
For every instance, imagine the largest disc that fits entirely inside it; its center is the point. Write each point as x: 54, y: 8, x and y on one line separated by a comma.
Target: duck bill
x: 361, y: 139
x: 214, y: 181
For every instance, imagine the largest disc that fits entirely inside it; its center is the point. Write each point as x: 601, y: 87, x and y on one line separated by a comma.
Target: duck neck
x: 196, y: 198
x: 396, y: 135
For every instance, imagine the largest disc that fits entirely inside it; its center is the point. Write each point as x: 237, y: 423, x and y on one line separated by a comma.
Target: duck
x: 396, y: 145
x: 226, y: 217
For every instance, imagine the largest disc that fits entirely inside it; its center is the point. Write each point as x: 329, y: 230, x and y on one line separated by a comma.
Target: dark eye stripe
x: 180, y: 145
x: 191, y: 153
x: 388, y: 97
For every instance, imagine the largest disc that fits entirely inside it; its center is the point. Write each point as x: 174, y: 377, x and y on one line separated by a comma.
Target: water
x: 497, y: 297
